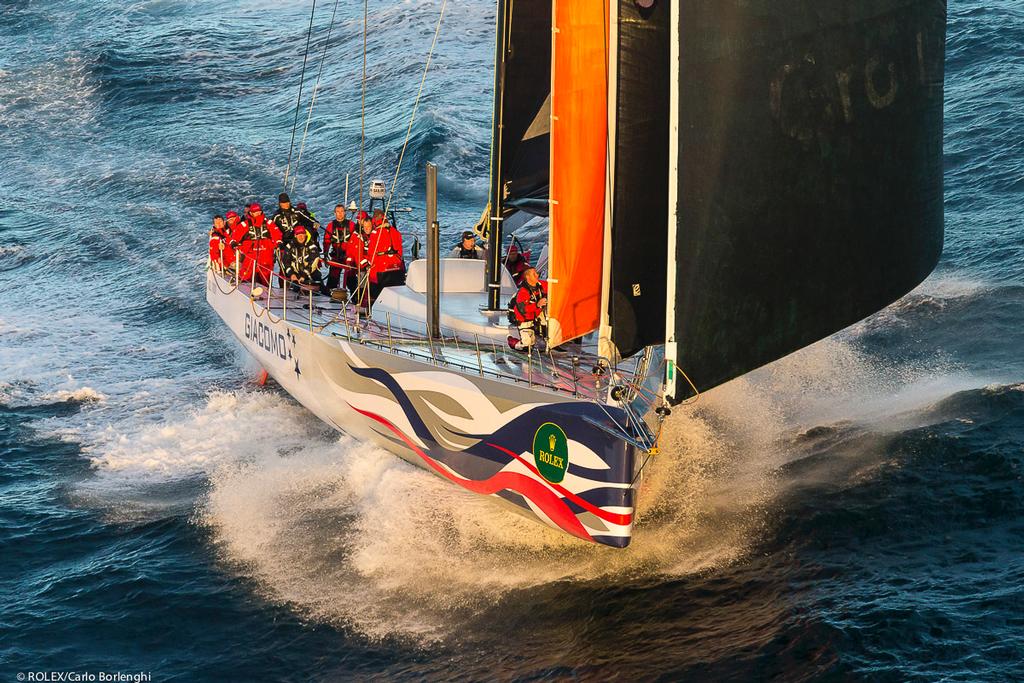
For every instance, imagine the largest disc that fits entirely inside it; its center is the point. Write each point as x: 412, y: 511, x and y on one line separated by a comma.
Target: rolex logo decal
x: 551, y: 452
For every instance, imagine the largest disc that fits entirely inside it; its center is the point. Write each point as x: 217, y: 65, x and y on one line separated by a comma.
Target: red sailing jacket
x: 526, y: 308
x: 385, y: 251
x: 220, y: 247
x: 356, y: 251
x: 257, y: 239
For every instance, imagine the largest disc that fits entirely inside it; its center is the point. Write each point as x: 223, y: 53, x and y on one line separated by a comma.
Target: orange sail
x: 579, y: 135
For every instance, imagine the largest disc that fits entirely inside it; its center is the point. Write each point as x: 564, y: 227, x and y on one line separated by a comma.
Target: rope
x: 696, y: 391
x: 216, y: 281
x: 650, y: 454
x: 316, y: 89
x: 365, y: 290
x: 362, y: 115
x: 298, y: 101
x: 415, y: 106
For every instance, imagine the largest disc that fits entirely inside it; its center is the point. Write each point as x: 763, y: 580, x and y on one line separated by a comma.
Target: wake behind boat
x: 722, y: 184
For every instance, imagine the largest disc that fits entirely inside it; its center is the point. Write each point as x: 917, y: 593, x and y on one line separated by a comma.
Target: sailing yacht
x: 724, y: 182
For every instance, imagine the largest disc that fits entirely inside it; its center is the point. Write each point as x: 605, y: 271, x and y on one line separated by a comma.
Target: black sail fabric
x: 525, y: 138
x: 639, y: 227
x: 810, y: 173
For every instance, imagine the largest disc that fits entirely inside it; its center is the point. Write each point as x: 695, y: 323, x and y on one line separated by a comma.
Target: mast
x: 671, y: 347
x: 494, y: 206
x: 605, y: 346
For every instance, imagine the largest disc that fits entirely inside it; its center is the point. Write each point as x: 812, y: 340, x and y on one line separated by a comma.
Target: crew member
x: 308, y: 220
x: 336, y: 236
x: 387, y: 266
x: 357, y: 257
x: 233, y: 220
x: 221, y: 253
x: 257, y: 238
x: 467, y: 248
x: 516, y: 264
x: 300, y: 258
x: 286, y: 217
x: 527, y: 313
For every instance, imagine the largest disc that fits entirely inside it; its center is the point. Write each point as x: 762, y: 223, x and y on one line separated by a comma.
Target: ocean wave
x: 56, y: 96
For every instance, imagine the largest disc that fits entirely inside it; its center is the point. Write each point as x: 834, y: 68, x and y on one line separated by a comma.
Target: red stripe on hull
x: 552, y: 506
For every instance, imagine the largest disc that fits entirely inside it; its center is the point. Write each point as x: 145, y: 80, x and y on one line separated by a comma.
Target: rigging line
x: 502, y: 34
x: 415, y: 106
x: 316, y: 89
x: 362, y: 114
x: 298, y: 101
x: 490, y: 161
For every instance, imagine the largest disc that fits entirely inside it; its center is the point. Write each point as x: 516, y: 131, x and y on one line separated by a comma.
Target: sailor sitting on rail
x: 467, y: 248
x: 527, y: 314
x: 221, y: 254
x: 300, y: 258
x: 256, y: 238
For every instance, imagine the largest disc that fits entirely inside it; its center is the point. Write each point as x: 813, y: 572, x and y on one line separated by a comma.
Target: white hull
x: 552, y: 456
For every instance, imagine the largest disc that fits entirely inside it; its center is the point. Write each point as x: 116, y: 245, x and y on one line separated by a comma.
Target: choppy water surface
x: 852, y: 512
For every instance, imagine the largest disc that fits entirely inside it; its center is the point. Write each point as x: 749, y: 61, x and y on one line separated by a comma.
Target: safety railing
x: 401, y: 335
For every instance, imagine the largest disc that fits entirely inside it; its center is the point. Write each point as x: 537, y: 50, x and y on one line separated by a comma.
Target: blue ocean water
x: 853, y: 512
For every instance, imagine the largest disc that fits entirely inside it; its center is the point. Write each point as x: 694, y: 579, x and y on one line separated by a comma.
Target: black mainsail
x: 805, y: 176
x: 639, y: 125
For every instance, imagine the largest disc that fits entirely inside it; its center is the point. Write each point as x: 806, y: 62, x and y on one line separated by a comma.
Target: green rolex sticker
x: 551, y: 452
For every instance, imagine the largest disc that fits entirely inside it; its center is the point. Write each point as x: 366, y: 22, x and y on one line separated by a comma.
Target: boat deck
x: 568, y: 370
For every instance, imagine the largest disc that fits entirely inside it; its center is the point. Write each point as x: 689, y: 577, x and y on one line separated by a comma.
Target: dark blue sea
x: 853, y: 512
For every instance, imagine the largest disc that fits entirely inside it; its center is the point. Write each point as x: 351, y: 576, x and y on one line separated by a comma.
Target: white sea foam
x: 348, y: 534
x: 230, y: 428
x: 80, y: 395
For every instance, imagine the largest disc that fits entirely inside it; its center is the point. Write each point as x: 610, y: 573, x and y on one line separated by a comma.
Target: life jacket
x: 259, y: 228
x: 336, y: 234
x: 385, y: 251
x: 257, y: 239
x: 286, y: 220
x: 523, y: 306
x: 301, y: 259
x: 220, y: 247
x: 474, y: 253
